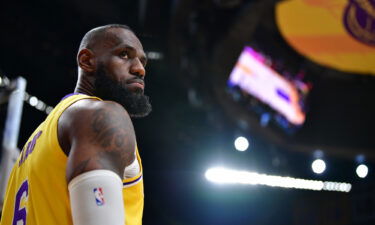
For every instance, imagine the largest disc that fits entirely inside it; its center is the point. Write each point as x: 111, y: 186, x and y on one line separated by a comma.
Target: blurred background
x: 294, y: 78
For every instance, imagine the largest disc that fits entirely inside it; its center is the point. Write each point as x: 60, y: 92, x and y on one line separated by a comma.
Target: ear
x: 86, y: 60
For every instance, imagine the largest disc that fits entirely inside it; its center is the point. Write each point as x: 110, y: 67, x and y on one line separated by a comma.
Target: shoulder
x: 93, y: 115
x: 91, y: 129
x: 86, y: 108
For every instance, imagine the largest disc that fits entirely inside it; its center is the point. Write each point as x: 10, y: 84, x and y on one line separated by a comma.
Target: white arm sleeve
x: 96, y: 198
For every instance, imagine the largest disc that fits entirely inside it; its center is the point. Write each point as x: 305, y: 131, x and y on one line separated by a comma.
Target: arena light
x: 49, y: 109
x: 37, y: 103
x: 362, y: 171
x: 33, y: 101
x: 154, y: 55
x: 4, y: 81
x: 318, y: 166
x: 241, y: 143
x: 40, y: 106
x: 228, y: 176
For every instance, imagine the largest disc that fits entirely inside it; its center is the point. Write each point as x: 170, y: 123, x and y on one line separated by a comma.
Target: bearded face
x: 135, y: 102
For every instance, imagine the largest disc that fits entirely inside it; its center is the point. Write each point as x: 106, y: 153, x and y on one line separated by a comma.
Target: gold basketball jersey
x: 37, y: 192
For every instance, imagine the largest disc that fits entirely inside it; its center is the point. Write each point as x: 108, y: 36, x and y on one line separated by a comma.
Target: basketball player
x: 81, y: 166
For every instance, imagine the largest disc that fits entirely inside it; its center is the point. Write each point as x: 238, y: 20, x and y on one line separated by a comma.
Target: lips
x: 137, y: 83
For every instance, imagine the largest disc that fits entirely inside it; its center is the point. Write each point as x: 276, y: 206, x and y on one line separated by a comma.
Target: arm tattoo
x: 107, y: 130
x: 114, y: 135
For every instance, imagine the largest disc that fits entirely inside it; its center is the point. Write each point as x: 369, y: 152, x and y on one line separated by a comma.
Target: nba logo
x: 99, y: 197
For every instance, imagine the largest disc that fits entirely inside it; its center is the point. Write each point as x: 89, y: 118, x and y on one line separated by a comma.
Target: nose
x: 137, y: 68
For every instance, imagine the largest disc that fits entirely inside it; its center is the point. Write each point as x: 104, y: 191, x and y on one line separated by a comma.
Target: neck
x: 84, y: 86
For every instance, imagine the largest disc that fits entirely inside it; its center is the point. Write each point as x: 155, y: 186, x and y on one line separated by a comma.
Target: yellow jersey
x: 37, y: 191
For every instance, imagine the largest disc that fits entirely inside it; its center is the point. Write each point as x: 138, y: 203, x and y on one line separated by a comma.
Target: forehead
x: 115, y: 37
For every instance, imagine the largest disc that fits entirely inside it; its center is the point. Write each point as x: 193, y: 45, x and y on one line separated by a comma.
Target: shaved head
x: 101, y: 34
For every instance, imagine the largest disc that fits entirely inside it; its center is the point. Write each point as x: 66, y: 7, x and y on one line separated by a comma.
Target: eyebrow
x: 143, y: 57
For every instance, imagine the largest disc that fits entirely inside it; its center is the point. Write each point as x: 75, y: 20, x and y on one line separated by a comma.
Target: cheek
x: 118, y: 68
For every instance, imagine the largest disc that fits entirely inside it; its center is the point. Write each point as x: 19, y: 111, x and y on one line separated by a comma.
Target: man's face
x: 120, y: 72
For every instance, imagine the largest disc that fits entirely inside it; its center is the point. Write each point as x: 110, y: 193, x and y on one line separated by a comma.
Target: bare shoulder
x: 96, y: 135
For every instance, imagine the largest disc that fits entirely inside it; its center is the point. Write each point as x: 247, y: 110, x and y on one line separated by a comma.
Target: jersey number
x: 20, y: 213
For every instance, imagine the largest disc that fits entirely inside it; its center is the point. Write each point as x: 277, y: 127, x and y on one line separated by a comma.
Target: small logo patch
x: 359, y: 20
x: 99, y: 196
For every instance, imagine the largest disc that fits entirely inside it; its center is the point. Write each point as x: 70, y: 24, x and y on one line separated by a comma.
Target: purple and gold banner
x: 335, y: 33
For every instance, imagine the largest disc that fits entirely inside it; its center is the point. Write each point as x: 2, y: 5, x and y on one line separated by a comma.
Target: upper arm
x: 96, y: 135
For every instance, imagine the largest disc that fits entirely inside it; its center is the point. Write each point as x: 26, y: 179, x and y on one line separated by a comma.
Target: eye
x: 124, y: 55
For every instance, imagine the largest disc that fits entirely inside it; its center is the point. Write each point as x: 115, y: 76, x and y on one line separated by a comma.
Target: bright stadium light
x: 241, y: 144
x: 362, y: 171
x: 318, y: 166
x: 228, y: 176
x: 49, y: 109
x: 33, y: 101
x: 154, y: 55
x: 37, y: 103
x: 40, y: 106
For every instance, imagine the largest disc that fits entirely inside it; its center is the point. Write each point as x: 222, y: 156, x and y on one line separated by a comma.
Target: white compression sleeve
x: 96, y: 198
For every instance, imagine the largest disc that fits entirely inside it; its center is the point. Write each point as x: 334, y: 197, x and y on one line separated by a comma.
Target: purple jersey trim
x: 131, y: 182
x: 71, y: 94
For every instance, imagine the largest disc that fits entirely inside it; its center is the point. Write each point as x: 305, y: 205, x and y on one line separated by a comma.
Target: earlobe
x: 86, y: 60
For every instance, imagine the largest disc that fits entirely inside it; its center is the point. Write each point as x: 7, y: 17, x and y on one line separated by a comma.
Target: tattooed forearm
x: 115, y: 134
x: 100, y: 120
x: 103, y: 139
x: 110, y: 130
x: 119, y: 140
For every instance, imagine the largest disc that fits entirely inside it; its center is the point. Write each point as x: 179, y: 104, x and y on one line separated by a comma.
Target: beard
x: 136, y: 103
